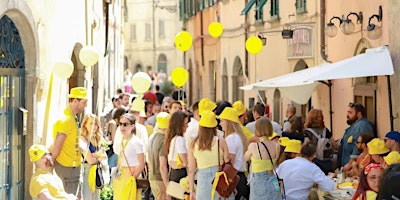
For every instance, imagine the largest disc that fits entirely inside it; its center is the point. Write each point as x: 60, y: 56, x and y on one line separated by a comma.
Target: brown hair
x: 131, y: 119
x: 96, y: 136
x: 315, y: 119
x: 205, y: 137
x: 263, y: 127
x: 175, y: 128
x: 296, y: 125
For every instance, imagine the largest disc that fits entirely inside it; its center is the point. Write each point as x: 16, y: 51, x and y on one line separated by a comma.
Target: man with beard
x: 355, y: 166
x: 358, y: 124
x: 44, y: 183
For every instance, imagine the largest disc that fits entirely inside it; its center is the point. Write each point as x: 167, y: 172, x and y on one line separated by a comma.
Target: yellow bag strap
x: 215, y: 183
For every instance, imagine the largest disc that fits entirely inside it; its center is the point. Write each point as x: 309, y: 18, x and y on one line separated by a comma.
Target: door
x: 12, y: 83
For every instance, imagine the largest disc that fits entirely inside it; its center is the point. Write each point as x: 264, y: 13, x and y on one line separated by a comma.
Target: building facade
x: 149, y: 36
x: 40, y: 47
x: 222, y: 65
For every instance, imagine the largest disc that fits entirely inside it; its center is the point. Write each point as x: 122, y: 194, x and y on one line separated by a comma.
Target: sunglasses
x: 125, y: 124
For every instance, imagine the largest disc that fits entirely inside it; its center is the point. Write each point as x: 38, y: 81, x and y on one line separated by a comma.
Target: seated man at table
x: 300, y: 174
x: 44, y: 183
x: 355, y: 166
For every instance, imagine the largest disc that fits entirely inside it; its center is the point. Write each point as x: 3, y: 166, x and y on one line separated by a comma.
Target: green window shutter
x: 201, y: 4
x: 248, y: 7
x: 181, y: 10
x: 261, y: 4
x: 274, y: 7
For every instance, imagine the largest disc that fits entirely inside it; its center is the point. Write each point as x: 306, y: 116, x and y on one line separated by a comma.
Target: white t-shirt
x: 178, y: 145
x: 133, y: 148
x: 235, y: 146
x: 191, y: 131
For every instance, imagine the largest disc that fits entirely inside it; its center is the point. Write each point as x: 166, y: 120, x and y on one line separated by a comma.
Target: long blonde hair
x: 96, y: 136
x: 205, y: 137
x: 232, y: 127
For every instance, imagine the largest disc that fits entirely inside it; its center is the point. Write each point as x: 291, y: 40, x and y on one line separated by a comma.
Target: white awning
x: 299, y: 86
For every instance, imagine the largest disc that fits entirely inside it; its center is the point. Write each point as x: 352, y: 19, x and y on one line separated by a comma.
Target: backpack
x: 324, y: 145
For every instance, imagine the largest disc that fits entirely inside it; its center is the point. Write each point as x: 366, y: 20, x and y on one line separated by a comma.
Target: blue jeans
x: 261, y: 187
x: 204, y: 184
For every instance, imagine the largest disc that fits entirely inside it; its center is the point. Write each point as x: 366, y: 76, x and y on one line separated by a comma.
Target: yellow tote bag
x: 129, y: 190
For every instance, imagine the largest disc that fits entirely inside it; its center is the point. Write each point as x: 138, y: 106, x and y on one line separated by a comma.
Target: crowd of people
x: 188, y: 146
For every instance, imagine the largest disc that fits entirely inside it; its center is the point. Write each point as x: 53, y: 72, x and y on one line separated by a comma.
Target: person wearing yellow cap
x: 261, y: 186
x: 292, y: 149
x: 203, y: 157
x: 237, y: 145
x: 65, y: 151
x: 157, y: 158
x: 377, y: 149
x: 300, y: 174
x: 392, y: 158
x: 241, y: 109
x: 45, y: 184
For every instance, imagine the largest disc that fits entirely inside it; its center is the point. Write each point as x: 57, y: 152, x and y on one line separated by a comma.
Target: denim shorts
x: 261, y: 186
x: 205, y: 178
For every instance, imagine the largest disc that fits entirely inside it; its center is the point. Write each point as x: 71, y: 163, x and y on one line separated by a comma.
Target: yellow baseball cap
x: 377, y: 146
x: 283, y: 141
x: 293, y: 146
x: 274, y: 135
x: 36, y: 152
x: 163, y: 120
x: 240, y: 108
x: 392, y: 158
x: 208, y: 119
x: 230, y: 114
x: 206, y: 104
x: 78, y: 93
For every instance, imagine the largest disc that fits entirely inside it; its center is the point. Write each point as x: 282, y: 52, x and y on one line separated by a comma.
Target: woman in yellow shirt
x: 262, y: 179
x: 203, y: 156
x: 369, y: 182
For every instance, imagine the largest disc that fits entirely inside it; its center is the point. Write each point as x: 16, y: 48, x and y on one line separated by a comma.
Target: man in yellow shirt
x: 44, y: 184
x: 65, y: 151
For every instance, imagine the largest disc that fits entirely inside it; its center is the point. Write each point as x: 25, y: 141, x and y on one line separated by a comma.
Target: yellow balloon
x: 215, y: 29
x: 183, y: 41
x: 137, y: 104
x: 254, y: 45
x: 179, y: 76
x: 63, y: 69
x: 141, y: 82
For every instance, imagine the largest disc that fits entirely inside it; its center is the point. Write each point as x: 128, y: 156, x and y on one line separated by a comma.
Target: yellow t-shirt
x: 207, y: 158
x: 43, y: 181
x: 247, y: 132
x: 371, y: 195
x: 70, y: 155
x: 149, y: 129
x: 258, y: 165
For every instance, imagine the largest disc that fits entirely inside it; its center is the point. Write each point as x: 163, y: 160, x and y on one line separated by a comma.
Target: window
x: 259, y: 9
x: 275, y: 8
x: 133, y: 32
x: 301, y: 6
x: 148, y: 32
x: 161, y: 29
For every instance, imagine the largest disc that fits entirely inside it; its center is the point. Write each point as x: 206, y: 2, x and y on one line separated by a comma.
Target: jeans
x: 261, y: 187
x: 205, y: 178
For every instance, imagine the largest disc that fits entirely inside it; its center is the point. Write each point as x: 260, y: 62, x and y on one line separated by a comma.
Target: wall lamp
x: 345, y: 24
x: 287, y: 33
x: 375, y: 31
x: 262, y: 38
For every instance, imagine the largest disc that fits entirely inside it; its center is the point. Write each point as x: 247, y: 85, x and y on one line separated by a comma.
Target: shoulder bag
x: 278, y: 182
x: 142, y: 182
x: 227, y: 185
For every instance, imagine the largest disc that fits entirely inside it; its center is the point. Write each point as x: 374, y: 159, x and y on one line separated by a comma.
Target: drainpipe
x: 201, y: 38
x: 390, y: 103
x: 324, y: 56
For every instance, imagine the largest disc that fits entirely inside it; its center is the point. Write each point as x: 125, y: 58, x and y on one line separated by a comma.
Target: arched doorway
x: 12, y: 111
x: 237, y: 80
x: 162, y: 63
x: 225, y: 83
